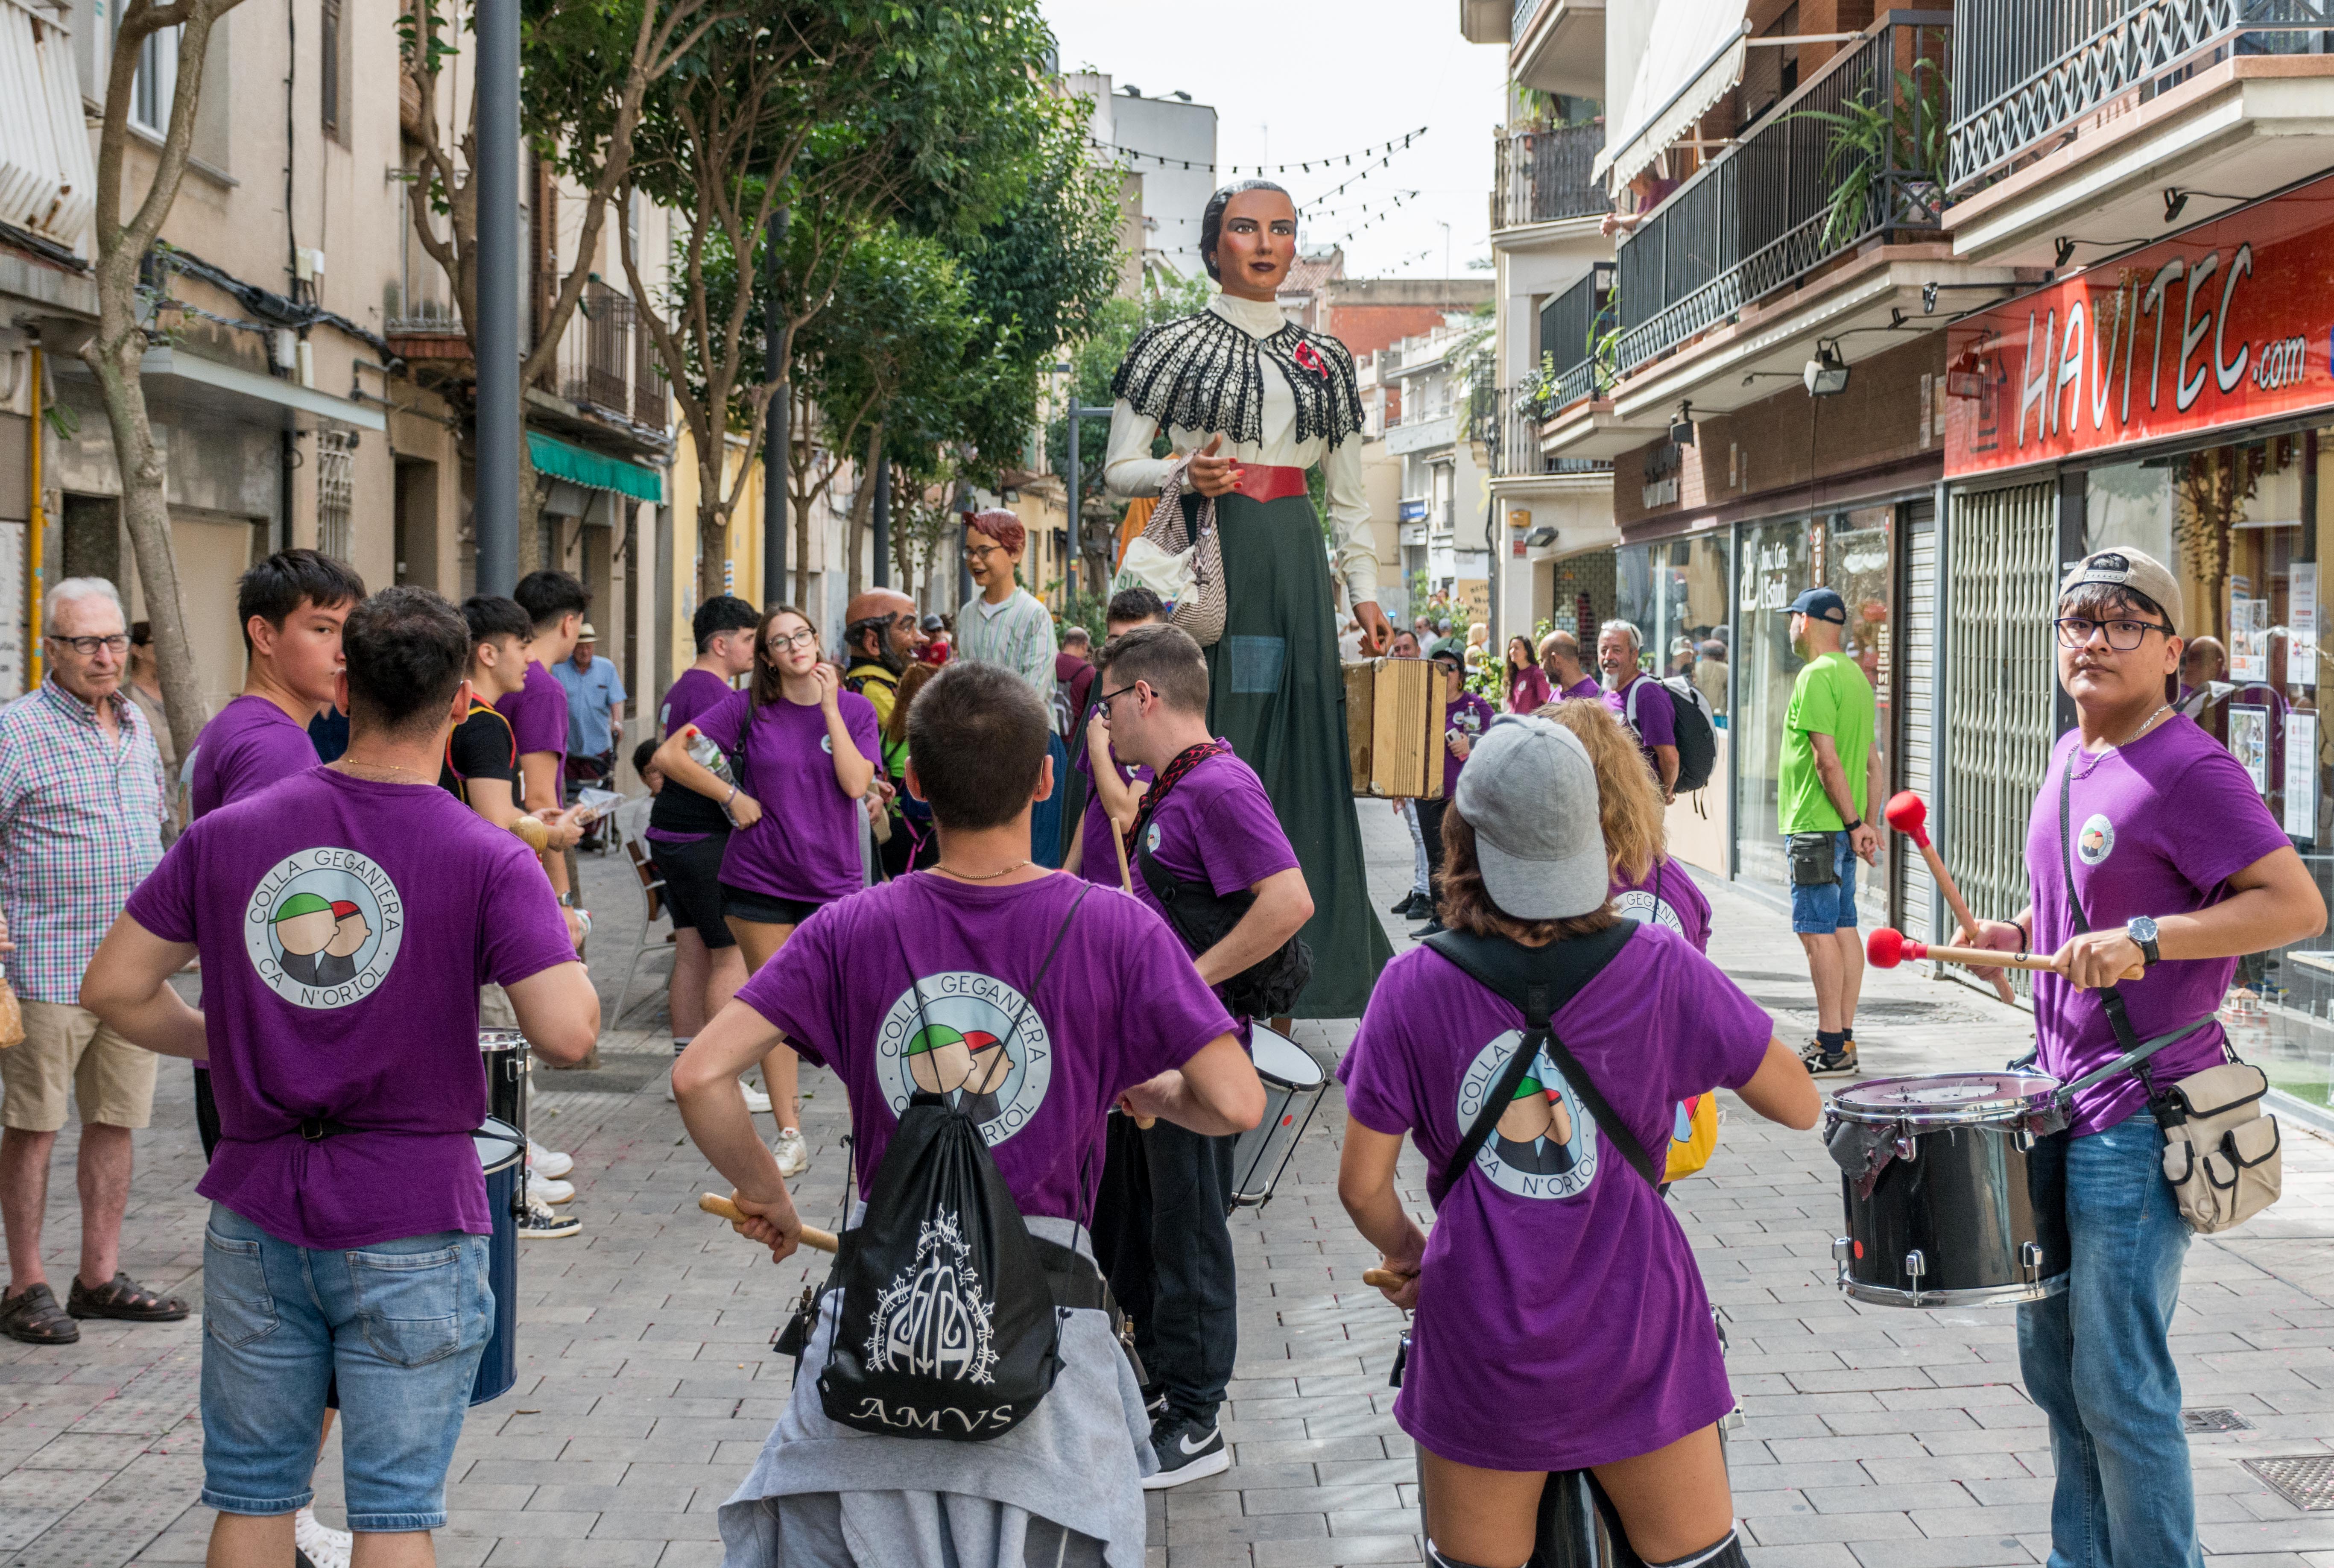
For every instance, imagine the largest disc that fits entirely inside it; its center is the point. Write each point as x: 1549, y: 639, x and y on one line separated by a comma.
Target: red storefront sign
x: 2229, y: 324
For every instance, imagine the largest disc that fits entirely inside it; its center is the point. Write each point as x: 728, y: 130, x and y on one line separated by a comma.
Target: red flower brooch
x: 1310, y: 359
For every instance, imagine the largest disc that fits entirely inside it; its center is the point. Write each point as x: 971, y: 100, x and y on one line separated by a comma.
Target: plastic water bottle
x: 711, y: 757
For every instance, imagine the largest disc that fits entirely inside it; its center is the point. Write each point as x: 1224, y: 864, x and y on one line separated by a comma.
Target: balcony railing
x: 1525, y: 11
x: 1541, y: 175
x: 1856, y: 152
x: 1570, y: 325
x: 2025, y: 70
x: 1522, y: 410
x: 606, y: 361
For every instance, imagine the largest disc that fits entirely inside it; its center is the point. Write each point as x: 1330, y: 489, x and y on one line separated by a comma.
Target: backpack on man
x: 1695, y: 728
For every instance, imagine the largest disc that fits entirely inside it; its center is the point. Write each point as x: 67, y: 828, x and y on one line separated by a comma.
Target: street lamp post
x: 499, y: 431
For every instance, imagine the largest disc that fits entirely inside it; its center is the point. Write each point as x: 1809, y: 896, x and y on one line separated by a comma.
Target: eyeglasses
x: 87, y: 647
x: 804, y: 638
x: 2122, y: 635
x: 1110, y: 697
x: 983, y: 552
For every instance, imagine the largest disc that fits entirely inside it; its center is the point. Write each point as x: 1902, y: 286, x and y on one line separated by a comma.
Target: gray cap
x: 1530, y: 792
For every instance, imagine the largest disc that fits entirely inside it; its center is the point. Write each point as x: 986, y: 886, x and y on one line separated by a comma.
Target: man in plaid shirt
x: 80, y: 814
x: 1010, y: 627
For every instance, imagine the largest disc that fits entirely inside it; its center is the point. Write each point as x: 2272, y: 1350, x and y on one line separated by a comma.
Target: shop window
x: 1776, y: 565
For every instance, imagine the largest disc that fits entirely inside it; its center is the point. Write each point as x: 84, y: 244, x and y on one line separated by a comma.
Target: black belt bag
x: 1815, y: 859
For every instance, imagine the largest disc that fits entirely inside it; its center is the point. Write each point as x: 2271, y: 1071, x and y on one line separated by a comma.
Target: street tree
x: 114, y: 352
x: 844, y: 117
x: 589, y: 65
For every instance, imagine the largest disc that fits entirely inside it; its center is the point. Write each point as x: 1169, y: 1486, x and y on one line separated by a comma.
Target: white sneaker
x: 549, y: 1162
x: 756, y: 1103
x: 321, y: 1545
x: 794, y: 1154
x: 543, y: 1189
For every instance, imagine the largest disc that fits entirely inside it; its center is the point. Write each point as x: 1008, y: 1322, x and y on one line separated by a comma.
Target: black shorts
x: 764, y: 908
x: 692, y: 886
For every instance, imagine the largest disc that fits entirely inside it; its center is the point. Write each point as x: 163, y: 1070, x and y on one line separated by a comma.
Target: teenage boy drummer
x: 1119, y: 1014
x: 2178, y: 869
x: 347, y: 1238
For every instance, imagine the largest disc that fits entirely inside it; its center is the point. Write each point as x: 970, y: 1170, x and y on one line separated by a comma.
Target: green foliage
x: 1112, y: 326
x: 1906, y: 135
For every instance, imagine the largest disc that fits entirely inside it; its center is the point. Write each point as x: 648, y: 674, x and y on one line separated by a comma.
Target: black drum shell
x: 1964, y: 1203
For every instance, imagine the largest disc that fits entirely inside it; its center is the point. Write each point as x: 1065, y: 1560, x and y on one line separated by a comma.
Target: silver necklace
x: 2144, y: 728
x: 980, y: 876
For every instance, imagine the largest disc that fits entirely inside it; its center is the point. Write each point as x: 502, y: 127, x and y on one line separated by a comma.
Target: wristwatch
x: 2141, y: 929
x: 1851, y: 827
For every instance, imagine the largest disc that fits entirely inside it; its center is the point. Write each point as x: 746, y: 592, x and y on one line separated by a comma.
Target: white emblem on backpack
x: 931, y: 1320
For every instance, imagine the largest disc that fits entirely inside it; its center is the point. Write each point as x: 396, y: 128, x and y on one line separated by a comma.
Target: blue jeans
x: 402, y: 1324
x: 1828, y: 907
x: 2097, y: 1357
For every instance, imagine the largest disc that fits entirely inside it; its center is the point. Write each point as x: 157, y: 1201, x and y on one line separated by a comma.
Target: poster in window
x: 2249, y: 741
x: 2300, y: 775
x: 2301, y: 611
x: 2248, y: 640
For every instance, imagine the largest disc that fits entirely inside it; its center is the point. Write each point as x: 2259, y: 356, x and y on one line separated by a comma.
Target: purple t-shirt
x: 1097, y: 861
x: 1216, y: 826
x: 537, y: 712
x: 344, y: 928
x: 247, y: 746
x: 1528, y: 689
x: 1119, y: 1004
x: 1585, y: 686
x: 805, y: 846
x: 2156, y: 828
x: 1470, y: 716
x: 696, y: 691
x: 1668, y: 897
x: 1657, y: 719
x: 1561, y: 1320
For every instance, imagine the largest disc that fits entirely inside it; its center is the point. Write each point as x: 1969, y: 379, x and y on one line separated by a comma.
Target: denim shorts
x: 1830, y: 906
x: 401, y: 1324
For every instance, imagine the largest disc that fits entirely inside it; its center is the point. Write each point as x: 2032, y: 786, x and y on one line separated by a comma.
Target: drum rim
x: 1322, y: 1070
x: 515, y: 1138
x: 1941, y: 1116
x: 2013, y: 1294
x: 498, y: 1039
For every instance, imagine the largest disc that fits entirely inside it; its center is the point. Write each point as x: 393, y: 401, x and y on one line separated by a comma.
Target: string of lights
x: 1300, y: 166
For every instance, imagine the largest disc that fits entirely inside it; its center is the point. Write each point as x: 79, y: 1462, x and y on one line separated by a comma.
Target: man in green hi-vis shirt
x: 1831, y: 777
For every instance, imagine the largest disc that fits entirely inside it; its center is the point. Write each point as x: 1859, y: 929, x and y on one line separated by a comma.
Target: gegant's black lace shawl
x: 1204, y: 373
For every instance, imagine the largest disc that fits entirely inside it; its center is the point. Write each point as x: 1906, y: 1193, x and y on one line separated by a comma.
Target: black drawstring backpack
x: 949, y: 1325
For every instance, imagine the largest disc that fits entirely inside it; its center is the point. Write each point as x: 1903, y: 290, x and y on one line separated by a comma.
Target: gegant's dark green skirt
x: 1276, y: 691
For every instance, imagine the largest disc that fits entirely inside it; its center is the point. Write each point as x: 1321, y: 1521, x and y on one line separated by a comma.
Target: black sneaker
x: 1433, y: 927
x: 1187, y: 1449
x: 542, y: 1223
x: 1402, y: 906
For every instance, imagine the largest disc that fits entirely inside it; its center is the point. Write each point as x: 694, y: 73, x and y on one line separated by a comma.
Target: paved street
x: 1873, y: 1436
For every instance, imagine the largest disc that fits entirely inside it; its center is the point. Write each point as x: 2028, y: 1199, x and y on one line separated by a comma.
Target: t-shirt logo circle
x: 1150, y: 839
x: 323, y: 926
x: 827, y: 743
x: 1642, y: 906
x: 1545, y: 1144
x: 960, y: 1040
x: 2097, y: 841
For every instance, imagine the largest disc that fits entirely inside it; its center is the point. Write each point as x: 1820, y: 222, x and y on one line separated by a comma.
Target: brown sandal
x: 33, y: 1317
x: 123, y: 1298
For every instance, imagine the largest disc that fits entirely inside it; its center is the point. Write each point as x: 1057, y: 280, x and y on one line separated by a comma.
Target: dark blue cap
x: 1822, y: 604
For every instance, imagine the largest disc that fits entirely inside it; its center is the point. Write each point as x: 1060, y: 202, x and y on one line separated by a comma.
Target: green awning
x: 593, y: 470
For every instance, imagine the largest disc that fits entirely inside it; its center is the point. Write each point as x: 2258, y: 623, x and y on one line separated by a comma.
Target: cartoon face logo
x: 2097, y: 841
x: 827, y: 743
x: 323, y: 926
x: 963, y: 1042
x: 1544, y: 1144
x: 1642, y: 906
x: 1150, y: 839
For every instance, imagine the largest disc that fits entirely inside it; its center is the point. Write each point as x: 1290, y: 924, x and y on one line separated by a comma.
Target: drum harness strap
x: 2135, y: 1051
x: 1539, y: 982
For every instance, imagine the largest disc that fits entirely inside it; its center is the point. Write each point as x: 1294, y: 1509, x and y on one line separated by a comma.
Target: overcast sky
x: 1293, y: 79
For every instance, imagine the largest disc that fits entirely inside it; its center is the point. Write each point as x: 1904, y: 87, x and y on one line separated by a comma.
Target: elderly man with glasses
x: 80, y: 814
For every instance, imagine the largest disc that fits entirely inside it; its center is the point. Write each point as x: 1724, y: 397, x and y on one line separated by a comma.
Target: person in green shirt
x: 1831, y: 777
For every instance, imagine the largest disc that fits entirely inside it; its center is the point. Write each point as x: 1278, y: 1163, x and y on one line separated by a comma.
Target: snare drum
x: 501, y: 1147
x: 1949, y: 1220
x: 1293, y: 1085
x: 509, y: 1069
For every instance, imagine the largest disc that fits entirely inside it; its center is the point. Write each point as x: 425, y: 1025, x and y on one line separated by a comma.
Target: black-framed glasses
x: 1108, y: 697
x: 804, y: 638
x: 87, y: 647
x: 2122, y: 635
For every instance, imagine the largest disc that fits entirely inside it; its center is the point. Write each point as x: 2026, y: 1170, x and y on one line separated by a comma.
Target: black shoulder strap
x: 2110, y: 996
x: 1540, y: 981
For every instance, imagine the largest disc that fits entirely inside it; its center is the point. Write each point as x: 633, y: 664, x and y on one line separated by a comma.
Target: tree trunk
x: 862, y: 504
x: 530, y: 513
x: 146, y: 508
x: 712, y: 525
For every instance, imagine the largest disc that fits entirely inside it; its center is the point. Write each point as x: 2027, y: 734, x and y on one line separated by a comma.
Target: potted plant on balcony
x: 1886, y: 159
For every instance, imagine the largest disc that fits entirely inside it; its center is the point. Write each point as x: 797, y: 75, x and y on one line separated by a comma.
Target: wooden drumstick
x: 1888, y: 947
x: 1909, y: 815
x: 817, y: 1240
x: 1126, y: 886
x: 1385, y: 1279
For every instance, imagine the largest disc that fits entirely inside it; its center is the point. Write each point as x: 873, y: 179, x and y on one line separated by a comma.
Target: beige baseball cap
x: 2123, y: 567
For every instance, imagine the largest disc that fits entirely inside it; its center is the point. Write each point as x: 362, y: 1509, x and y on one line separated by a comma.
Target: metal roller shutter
x: 2001, y: 570
x: 1919, y: 755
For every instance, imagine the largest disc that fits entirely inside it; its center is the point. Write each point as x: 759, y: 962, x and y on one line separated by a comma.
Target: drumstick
x: 812, y: 1237
x: 1909, y: 815
x: 1886, y: 947
x: 1385, y: 1278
